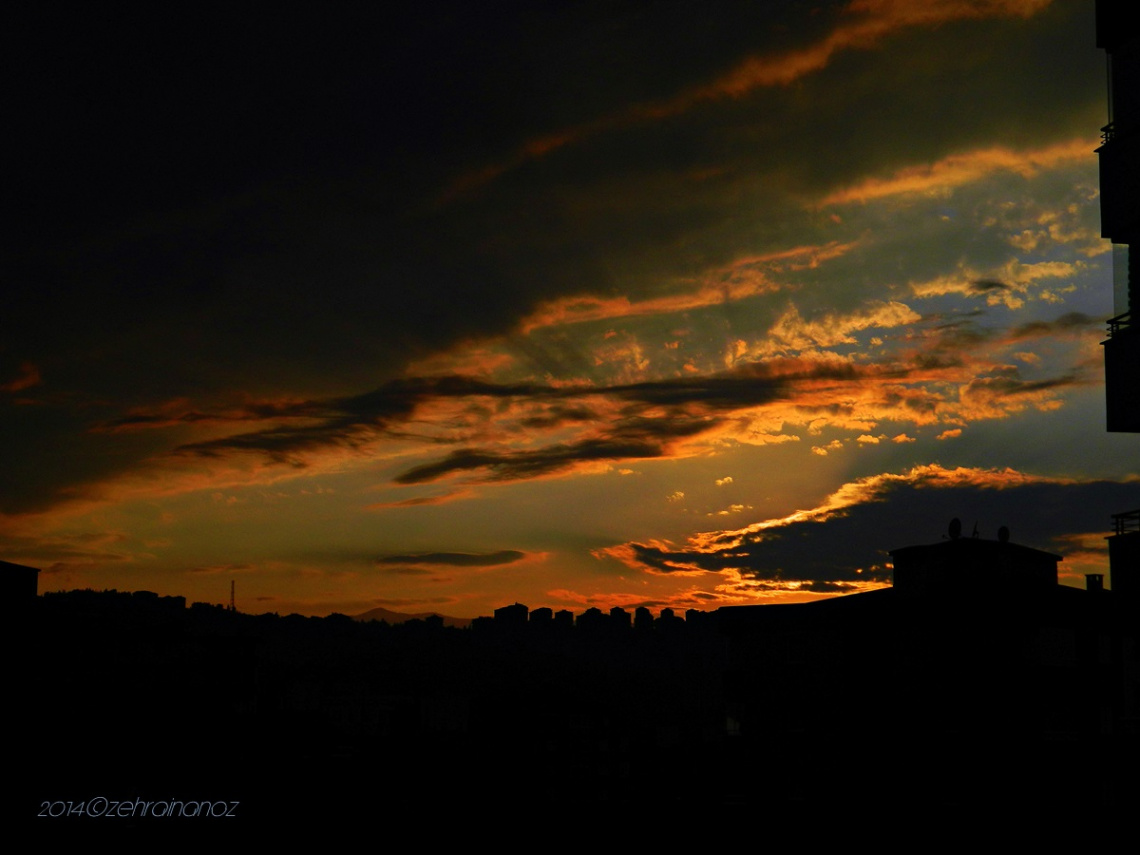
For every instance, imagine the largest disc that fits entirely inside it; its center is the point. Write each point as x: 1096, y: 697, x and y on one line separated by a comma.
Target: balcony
x: 1119, y: 184
x: 1119, y: 324
x: 1124, y: 558
x: 1126, y: 522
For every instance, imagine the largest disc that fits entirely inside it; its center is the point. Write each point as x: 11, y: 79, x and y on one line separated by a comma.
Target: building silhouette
x: 1008, y: 568
x: 976, y: 678
x: 19, y: 584
x: 1124, y: 558
x: 1119, y: 212
x: 1119, y: 156
x: 513, y: 615
x: 620, y: 618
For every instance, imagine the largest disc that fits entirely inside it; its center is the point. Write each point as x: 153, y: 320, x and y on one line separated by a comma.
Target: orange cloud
x: 823, y: 450
x: 1007, y: 285
x: 942, y: 381
x: 462, y: 358
x: 1059, y: 228
x: 579, y: 309
x: 806, y: 257
x: 1004, y: 392
x: 957, y: 169
x: 867, y: 23
x: 792, y: 332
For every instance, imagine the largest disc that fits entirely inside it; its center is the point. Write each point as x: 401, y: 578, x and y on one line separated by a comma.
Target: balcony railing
x: 1120, y: 323
x: 1126, y: 522
x: 1107, y: 133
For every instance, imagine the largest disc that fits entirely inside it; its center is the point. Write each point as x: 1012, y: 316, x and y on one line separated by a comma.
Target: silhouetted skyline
x: 988, y: 703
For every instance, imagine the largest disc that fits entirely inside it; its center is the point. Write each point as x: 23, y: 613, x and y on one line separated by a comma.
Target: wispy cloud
x: 955, y: 170
x: 749, y: 276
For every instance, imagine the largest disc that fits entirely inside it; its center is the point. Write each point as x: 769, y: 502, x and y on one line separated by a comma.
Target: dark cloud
x: 898, y: 514
x: 351, y: 421
x: 959, y: 334
x: 309, y: 425
x: 51, y: 455
x: 558, y: 416
x: 457, y: 559
x: 945, y: 339
x: 982, y: 286
x: 811, y: 586
x: 510, y: 466
x: 957, y: 319
x: 1068, y: 322
x: 347, y: 421
x: 818, y: 587
x: 927, y: 361
x: 1007, y: 384
x: 762, y: 559
x: 748, y: 385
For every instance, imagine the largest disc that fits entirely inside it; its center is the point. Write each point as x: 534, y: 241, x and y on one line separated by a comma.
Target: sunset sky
x: 440, y: 306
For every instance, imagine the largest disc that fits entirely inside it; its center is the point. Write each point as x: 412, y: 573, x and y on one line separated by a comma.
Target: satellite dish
x: 955, y: 528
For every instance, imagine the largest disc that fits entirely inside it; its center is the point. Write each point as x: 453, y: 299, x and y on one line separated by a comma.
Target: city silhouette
x: 934, y: 696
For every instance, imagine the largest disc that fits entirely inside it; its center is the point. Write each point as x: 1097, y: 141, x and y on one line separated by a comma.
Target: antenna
x: 233, y: 608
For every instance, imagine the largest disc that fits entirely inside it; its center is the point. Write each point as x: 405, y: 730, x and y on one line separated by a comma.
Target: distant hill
x: 400, y: 617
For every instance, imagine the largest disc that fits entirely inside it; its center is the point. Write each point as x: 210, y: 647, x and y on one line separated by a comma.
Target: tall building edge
x: 1119, y: 156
